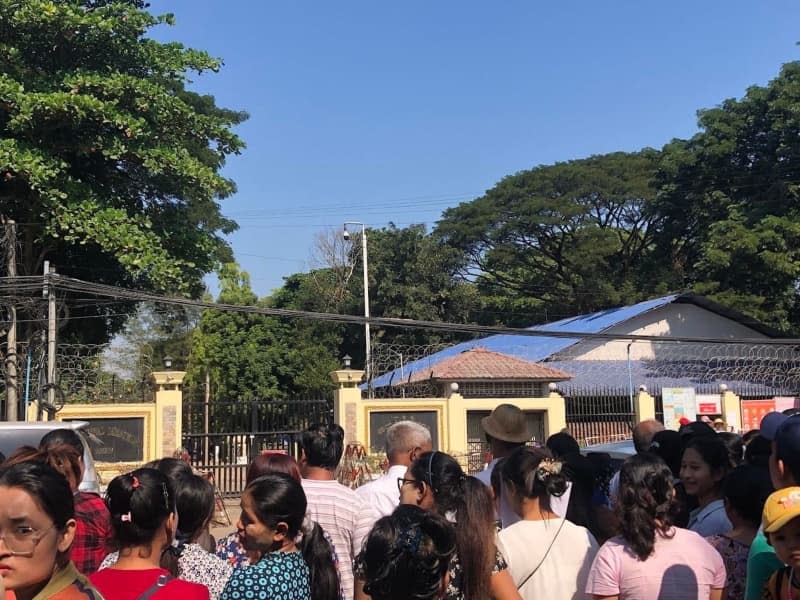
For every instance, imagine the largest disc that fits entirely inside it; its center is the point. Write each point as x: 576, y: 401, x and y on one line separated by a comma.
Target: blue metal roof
x: 533, y: 348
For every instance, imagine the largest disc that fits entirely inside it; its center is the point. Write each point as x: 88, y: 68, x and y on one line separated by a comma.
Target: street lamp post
x: 367, y: 342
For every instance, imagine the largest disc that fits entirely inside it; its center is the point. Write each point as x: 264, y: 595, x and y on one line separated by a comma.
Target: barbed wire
x: 744, y: 368
x: 597, y: 358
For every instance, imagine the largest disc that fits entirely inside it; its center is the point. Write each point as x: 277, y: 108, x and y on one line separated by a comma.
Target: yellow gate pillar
x: 644, y: 405
x: 556, y: 414
x: 731, y: 408
x: 347, y: 404
x: 168, y: 387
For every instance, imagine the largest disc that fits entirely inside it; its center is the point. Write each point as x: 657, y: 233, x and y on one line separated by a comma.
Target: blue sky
x: 391, y: 112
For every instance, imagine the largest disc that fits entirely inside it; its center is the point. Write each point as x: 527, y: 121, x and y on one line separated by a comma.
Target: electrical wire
x: 68, y: 284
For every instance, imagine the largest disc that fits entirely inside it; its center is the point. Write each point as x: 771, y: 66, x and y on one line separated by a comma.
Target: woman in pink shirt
x: 651, y: 558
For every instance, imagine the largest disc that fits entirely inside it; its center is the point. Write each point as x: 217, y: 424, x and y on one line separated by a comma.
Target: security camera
x: 346, y: 234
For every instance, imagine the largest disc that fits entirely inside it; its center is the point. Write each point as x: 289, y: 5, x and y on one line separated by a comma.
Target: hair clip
x: 166, y: 496
x: 135, y: 483
x: 409, y: 540
x: 547, y: 468
x: 126, y: 518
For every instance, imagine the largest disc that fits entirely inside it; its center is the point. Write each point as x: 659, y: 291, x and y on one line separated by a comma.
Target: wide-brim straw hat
x: 508, y: 424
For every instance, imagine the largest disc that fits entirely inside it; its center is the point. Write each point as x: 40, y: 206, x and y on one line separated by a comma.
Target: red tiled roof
x: 480, y: 363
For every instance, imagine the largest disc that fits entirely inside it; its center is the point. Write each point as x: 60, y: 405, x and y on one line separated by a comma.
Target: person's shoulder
x: 89, y: 503
x: 178, y: 588
x: 689, y: 537
x: 76, y: 591
x: 579, y: 532
x: 368, y: 489
x: 614, y: 544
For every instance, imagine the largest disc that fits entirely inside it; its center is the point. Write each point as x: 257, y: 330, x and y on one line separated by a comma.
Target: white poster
x: 678, y: 403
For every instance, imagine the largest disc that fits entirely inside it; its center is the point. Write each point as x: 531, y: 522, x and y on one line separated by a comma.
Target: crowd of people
x: 694, y: 513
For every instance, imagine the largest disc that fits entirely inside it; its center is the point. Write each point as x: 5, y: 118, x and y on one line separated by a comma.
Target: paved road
x: 223, y: 529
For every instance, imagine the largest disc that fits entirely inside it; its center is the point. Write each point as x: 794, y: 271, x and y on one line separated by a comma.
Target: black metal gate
x: 223, y: 437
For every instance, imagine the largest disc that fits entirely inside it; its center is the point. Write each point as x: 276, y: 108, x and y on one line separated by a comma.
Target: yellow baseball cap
x: 781, y: 507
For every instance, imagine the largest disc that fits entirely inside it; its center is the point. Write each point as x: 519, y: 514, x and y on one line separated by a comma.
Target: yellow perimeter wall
x: 351, y: 411
x: 163, y: 430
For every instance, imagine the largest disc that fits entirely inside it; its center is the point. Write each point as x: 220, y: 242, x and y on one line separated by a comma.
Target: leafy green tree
x: 560, y: 239
x: 730, y: 203
x: 415, y: 276
x: 108, y: 163
x: 239, y: 351
x: 252, y: 356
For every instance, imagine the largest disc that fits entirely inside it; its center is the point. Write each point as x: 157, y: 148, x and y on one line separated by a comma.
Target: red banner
x: 753, y: 411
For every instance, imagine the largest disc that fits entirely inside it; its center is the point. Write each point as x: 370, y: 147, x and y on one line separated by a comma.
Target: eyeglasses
x: 22, y: 540
x: 401, y: 481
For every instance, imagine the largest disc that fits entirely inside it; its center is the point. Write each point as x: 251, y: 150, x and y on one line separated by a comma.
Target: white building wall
x: 671, y: 320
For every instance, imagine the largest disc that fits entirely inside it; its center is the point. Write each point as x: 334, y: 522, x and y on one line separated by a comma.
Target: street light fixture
x: 167, y: 362
x: 367, y: 343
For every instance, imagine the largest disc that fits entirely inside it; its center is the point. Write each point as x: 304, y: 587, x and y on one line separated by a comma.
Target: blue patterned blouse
x: 277, y: 576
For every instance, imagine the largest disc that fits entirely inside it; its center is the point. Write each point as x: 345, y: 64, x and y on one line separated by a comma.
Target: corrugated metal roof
x: 530, y: 348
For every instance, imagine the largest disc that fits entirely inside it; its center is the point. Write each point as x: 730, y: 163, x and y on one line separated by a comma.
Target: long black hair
x: 194, y: 502
x: 407, y: 554
x: 645, y: 498
x: 139, y: 503
x: 470, y: 501
x: 278, y: 497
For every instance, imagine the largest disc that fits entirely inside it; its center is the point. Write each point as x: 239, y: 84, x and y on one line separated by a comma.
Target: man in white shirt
x: 342, y: 513
x: 506, y: 429
x: 405, y: 440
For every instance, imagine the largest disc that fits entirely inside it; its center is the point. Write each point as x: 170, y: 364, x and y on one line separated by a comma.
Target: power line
x: 68, y: 284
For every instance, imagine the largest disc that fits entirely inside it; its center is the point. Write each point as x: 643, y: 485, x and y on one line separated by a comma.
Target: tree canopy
x: 109, y: 163
x: 729, y: 201
x: 559, y: 239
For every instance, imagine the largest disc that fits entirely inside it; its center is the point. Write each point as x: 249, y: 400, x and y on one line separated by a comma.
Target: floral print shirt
x: 734, y: 554
x: 277, y: 576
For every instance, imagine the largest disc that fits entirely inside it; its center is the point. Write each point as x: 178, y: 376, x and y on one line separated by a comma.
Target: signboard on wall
x: 708, y: 404
x: 678, y: 403
x: 380, y: 421
x: 754, y: 410
x: 121, y: 439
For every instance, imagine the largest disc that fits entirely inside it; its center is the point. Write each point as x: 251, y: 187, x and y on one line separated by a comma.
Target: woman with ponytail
x: 557, y: 565
x: 652, y: 558
x: 145, y: 523
x: 436, y: 482
x: 186, y: 558
x: 295, y: 561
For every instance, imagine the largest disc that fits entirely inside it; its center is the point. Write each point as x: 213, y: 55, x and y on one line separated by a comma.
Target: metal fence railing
x: 599, y: 414
x: 223, y: 437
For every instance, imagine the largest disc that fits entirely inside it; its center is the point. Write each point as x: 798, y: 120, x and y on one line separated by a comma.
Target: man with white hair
x: 405, y: 440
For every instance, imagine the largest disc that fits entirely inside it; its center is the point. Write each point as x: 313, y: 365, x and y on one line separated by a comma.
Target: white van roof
x: 43, y: 425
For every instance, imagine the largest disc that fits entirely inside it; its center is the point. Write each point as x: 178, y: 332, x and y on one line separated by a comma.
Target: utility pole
x: 51, y: 338
x: 206, y: 406
x: 12, y: 390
